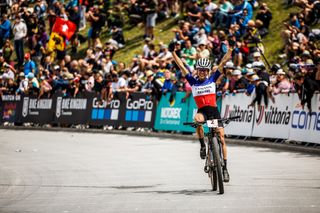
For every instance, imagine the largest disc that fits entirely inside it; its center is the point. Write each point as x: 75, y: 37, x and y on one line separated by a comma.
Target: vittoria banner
x: 237, y: 105
x: 274, y: 121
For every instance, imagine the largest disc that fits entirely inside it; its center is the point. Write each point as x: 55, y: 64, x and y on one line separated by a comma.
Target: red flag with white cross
x: 64, y: 27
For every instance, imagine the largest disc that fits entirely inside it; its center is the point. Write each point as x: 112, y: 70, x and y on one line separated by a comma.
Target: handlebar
x: 224, y: 120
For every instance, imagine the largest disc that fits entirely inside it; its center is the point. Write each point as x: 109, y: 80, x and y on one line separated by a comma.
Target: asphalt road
x: 82, y: 172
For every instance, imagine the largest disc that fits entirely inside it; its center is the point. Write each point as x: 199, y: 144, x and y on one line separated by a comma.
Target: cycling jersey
x: 204, y: 92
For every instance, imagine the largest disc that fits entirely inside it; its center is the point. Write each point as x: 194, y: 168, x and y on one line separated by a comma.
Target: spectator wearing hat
x: 23, y: 84
x: 146, y: 48
x: 260, y: 70
x: 19, y: 30
x: 149, y: 87
x: 29, y: 65
x: 241, y: 83
x: 33, y: 84
x: 257, y: 57
x: 200, y: 37
x: 202, y: 51
x: 282, y: 85
x: 261, y: 91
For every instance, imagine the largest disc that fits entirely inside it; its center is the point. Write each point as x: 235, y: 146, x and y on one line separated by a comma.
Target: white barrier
x: 273, y: 121
x: 281, y: 120
x: 237, y: 105
x: 305, y: 126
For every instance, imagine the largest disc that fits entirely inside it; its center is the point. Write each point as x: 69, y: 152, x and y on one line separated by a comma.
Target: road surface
x: 81, y: 172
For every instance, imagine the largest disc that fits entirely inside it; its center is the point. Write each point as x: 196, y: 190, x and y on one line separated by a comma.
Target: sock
x: 202, y: 142
x: 225, y: 163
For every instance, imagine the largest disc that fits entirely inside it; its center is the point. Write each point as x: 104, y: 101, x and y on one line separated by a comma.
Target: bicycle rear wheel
x: 217, y: 162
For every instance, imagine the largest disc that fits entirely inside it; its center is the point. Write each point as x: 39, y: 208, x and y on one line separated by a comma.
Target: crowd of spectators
x: 205, y: 29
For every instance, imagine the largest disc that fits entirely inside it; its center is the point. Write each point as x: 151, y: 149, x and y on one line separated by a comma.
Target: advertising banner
x: 274, y: 121
x: 305, y: 125
x: 8, y: 107
x: 237, y: 105
x: 108, y: 113
x: 72, y: 110
x: 139, y: 111
x: 36, y: 110
x: 172, y: 117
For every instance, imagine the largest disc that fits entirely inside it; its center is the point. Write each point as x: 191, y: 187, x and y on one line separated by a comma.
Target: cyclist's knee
x: 199, y: 117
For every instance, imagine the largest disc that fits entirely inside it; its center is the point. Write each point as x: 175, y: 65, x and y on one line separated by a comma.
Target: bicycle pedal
x: 206, y: 169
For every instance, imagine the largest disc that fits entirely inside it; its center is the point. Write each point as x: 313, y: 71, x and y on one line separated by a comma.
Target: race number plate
x: 212, y: 123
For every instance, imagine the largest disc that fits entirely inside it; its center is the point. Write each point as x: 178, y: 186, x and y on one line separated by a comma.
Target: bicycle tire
x: 217, y: 161
x: 212, y: 172
x: 213, y: 179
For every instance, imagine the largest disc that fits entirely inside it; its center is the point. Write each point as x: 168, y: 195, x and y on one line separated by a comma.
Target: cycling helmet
x: 203, y: 63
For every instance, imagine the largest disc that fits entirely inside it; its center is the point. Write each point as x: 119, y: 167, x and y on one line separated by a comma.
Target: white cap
x: 56, y: 67
x: 250, y: 72
x: 229, y: 65
x: 256, y: 54
x: 236, y: 72
x: 255, y: 78
x: 280, y: 72
x: 257, y: 64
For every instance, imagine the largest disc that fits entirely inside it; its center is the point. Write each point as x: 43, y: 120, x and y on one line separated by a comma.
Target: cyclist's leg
x: 220, y: 132
x: 199, y: 117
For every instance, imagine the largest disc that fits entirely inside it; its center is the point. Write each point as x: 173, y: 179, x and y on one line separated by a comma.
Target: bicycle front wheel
x: 217, y: 162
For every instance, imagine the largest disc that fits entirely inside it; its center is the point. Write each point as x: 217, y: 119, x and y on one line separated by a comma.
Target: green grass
x: 134, y: 35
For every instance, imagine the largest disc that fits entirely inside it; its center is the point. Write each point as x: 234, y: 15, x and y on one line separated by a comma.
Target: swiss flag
x: 64, y: 27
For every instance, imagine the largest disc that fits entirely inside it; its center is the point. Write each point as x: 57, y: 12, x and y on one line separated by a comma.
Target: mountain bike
x: 214, y: 158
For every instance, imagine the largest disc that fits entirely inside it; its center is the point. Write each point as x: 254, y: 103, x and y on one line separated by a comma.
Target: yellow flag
x: 56, y: 42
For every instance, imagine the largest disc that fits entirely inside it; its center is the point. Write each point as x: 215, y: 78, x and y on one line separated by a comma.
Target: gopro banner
x: 72, y: 110
x: 139, y: 111
x: 108, y: 113
x: 34, y: 110
x: 171, y: 116
x: 8, y: 107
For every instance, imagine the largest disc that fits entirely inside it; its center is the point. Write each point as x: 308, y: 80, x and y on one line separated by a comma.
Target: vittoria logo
x: 246, y: 115
x: 273, y: 115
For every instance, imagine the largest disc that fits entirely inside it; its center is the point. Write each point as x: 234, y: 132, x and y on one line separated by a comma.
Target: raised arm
x: 225, y: 59
x: 180, y: 64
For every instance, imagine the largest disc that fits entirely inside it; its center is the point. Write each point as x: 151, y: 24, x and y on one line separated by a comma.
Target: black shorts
x: 210, y: 112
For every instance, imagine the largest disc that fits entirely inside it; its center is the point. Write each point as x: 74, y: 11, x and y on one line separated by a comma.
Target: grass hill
x: 134, y: 36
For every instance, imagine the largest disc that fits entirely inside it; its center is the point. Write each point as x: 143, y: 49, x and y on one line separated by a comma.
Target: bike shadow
x: 195, y: 192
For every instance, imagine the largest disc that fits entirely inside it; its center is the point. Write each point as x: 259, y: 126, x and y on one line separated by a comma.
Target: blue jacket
x: 5, y: 28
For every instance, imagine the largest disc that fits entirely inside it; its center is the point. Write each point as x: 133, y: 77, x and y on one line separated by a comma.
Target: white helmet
x: 203, y: 63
